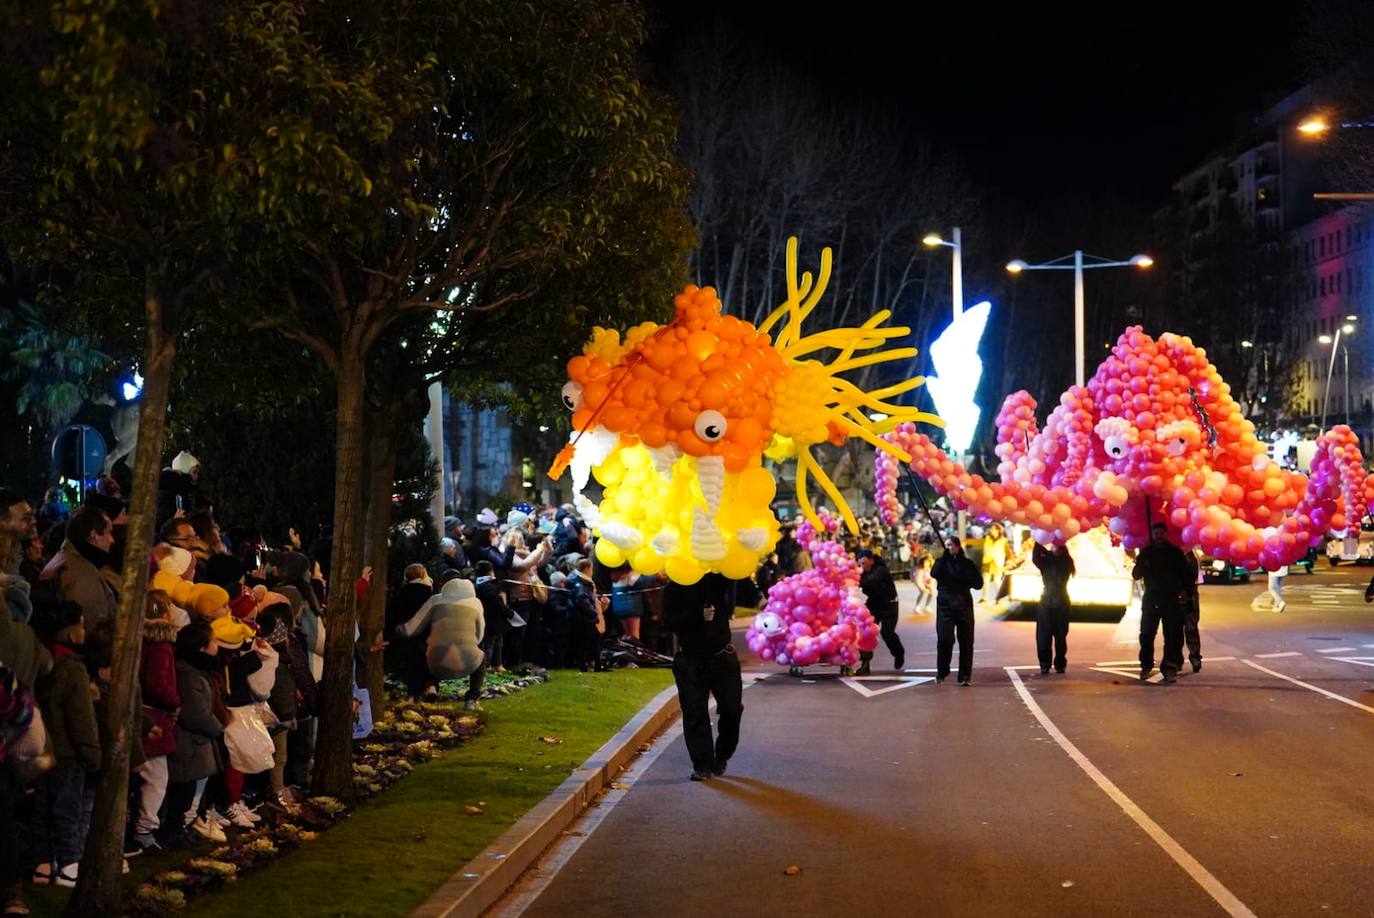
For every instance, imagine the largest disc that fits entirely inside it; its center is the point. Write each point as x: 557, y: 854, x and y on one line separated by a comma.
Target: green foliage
x: 54, y: 370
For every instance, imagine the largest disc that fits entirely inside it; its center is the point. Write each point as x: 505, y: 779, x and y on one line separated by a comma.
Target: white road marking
x: 1369, y: 645
x: 1335, y: 649
x: 1213, y: 887
x: 1360, y: 661
x: 1312, y: 688
x: 902, y: 682
x: 1275, y: 656
x: 1129, y: 674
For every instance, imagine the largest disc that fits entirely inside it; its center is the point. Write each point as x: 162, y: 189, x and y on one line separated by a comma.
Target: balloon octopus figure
x: 817, y: 616
x: 674, y: 422
x: 1155, y: 435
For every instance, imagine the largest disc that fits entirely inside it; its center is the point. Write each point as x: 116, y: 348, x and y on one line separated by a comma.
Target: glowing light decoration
x: 132, y: 390
x: 957, y: 371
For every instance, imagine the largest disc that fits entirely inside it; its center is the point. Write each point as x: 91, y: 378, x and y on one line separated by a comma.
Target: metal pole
x: 434, y: 425
x: 958, y: 274
x: 1345, y: 359
x: 1078, y: 316
x: 1326, y: 392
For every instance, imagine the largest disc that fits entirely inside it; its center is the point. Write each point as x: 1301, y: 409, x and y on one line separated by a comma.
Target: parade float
x: 1154, y: 436
x: 674, y: 422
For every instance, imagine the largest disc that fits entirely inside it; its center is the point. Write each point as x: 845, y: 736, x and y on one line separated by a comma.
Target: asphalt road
x: 1235, y: 790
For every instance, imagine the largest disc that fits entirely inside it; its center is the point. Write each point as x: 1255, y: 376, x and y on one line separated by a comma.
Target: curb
x: 479, y: 883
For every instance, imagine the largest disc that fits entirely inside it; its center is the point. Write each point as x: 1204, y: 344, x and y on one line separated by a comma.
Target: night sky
x: 1050, y: 101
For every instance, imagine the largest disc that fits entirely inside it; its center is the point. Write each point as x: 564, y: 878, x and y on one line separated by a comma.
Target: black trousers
x: 887, y: 627
x: 949, y: 626
x: 532, y: 650
x: 1052, y: 635
x: 1192, y: 612
x: 699, y: 677
x: 584, y: 645
x: 1152, y: 613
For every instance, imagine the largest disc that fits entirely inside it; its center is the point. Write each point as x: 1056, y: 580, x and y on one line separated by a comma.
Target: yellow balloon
x: 646, y: 561
x: 739, y: 562
x: 756, y: 486
x: 608, y: 553
x: 683, y: 570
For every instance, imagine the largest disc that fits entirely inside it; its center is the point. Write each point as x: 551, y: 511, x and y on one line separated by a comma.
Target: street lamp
x: 934, y: 240
x: 1347, y: 330
x: 1078, y: 263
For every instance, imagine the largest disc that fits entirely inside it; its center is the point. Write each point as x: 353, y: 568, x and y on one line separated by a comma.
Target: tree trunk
x: 373, y: 616
x: 333, y: 773
x: 99, y: 888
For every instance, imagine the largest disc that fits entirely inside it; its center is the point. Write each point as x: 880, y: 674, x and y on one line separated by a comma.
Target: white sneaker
x: 207, y: 828
x: 240, y: 816
x: 219, y: 818
x: 67, y: 875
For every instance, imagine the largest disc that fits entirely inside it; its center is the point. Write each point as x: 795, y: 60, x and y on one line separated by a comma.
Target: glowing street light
x: 1247, y: 344
x: 1346, y: 330
x: 935, y: 240
x: 1314, y: 126
x: 1078, y: 263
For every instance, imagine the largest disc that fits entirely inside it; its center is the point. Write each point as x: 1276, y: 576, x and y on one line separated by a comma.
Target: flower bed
x: 410, y: 733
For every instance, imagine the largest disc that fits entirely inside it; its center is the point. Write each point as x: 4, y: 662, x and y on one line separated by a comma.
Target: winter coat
x: 583, y: 596
x: 158, y: 679
x: 79, y: 580
x: 525, y: 572
x: 408, y: 601
x: 198, y: 728
x: 65, y: 697
x: 283, y: 698
x: 500, y: 558
x: 956, y: 575
x: 1055, y: 571
x: 456, y: 628
x: 1165, y: 569
x: 240, y: 666
x: 880, y: 593
x: 682, y: 613
x: 456, y: 563
x: 22, y: 652
x: 495, y: 612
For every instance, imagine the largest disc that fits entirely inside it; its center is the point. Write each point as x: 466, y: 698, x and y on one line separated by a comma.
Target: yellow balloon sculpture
x: 674, y: 422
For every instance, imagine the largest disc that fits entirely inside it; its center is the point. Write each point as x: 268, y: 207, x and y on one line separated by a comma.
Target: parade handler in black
x: 880, y: 594
x: 1168, y: 576
x: 1052, y: 616
x: 705, y: 666
x: 957, y: 576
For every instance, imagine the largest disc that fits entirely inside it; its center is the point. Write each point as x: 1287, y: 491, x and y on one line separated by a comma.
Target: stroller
x: 622, y: 651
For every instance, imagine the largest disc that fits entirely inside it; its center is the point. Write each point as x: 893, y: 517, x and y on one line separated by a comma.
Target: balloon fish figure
x: 1154, y: 436
x: 818, y: 615
x: 674, y: 422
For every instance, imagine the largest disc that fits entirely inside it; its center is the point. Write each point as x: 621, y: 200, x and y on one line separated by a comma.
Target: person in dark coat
x: 880, y: 595
x: 1052, y: 617
x: 586, y: 618
x: 451, y: 558
x: 495, y: 614
x: 275, y: 624
x: 158, y: 680
x: 200, y: 724
x: 706, y: 666
x: 1168, y: 577
x: 558, y: 618
x: 409, y: 653
x: 956, y: 576
x: 1192, y: 614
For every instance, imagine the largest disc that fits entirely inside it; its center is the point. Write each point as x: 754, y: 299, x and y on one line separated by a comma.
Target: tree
x: 429, y: 194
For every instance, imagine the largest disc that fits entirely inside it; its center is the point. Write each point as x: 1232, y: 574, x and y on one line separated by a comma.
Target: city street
x: 1243, y: 789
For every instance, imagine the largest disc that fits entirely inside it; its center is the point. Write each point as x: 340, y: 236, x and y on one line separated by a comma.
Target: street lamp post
x: 955, y: 242
x: 1078, y: 263
x: 1347, y: 330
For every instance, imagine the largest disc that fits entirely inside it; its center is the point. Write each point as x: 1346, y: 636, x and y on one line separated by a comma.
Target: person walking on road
x: 705, y: 666
x: 1271, y: 600
x: 957, y: 577
x: 1167, y: 574
x: 1191, y: 600
x: 1052, y: 616
x: 994, y: 562
x: 880, y: 594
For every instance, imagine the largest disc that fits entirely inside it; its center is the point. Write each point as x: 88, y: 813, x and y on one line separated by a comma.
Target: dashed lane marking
x: 1335, y: 649
x: 1214, y: 888
x: 1275, y: 656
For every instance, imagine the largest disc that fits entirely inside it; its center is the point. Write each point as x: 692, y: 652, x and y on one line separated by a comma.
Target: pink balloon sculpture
x: 1155, y: 435
x: 817, y: 616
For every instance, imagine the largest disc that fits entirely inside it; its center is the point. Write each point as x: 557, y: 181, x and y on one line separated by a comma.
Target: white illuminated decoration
x: 132, y: 390
x: 957, y: 371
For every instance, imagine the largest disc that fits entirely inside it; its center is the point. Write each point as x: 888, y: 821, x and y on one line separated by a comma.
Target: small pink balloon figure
x: 817, y: 616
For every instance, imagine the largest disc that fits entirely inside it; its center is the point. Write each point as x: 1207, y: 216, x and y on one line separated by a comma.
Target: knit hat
x: 209, y: 599
x: 525, y: 508
x: 488, y: 517
x: 515, y: 519
x: 184, y: 462
x: 244, y: 605
x: 230, y: 633
x: 110, y: 506
x: 176, y: 560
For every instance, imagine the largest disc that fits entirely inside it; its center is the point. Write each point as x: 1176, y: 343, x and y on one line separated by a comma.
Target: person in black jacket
x: 1052, y: 616
x: 1168, y: 578
x: 704, y: 666
x: 495, y: 614
x: 586, y: 615
x: 409, y: 653
x: 956, y: 576
x: 880, y: 595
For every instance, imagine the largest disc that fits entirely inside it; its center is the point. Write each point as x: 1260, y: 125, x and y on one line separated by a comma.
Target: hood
x: 159, y: 629
x: 456, y: 590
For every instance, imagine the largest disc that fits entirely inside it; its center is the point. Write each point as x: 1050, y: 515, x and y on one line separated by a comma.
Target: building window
x: 1321, y: 246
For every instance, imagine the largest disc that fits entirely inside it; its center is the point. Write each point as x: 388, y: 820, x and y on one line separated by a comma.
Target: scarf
x: 92, y: 554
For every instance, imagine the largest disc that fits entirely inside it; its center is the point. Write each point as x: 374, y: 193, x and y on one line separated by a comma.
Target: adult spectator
x: 80, y: 572
x: 586, y: 618
x: 178, y: 487
x: 31, y: 560
x: 54, y: 510
x: 417, y: 591
x: 1052, y: 616
x: 957, y: 577
x: 994, y: 561
x: 880, y: 595
x: 706, y: 666
x: 1166, y: 572
x: 451, y: 557
x: 455, y: 621
x: 495, y: 614
x: 18, y: 523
